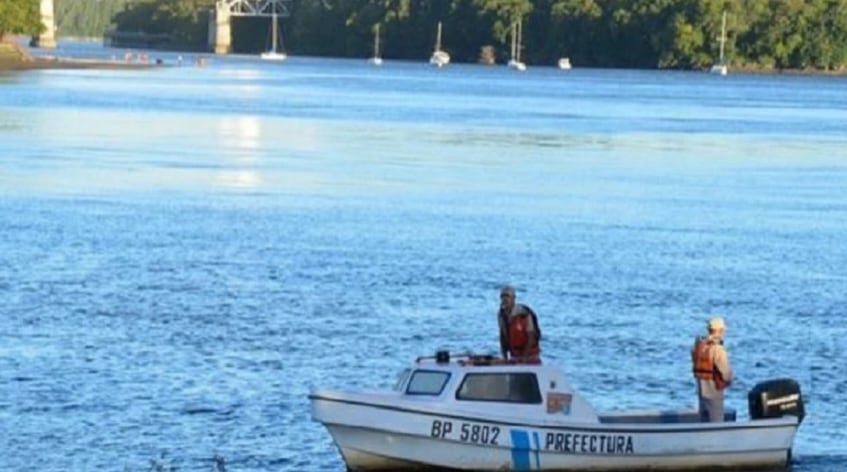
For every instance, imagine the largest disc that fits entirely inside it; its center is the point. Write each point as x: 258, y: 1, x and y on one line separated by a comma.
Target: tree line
x: 86, y: 18
x: 19, y: 17
x: 674, y: 34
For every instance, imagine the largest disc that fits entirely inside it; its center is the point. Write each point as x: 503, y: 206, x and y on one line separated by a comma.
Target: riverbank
x: 748, y: 69
x: 14, y: 57
x: 58, y: 63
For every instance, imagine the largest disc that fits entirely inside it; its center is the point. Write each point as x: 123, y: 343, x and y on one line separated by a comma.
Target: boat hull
x: 375, y: 436
x: 439, y: 59
x: 517, y: 65
x: 273, y: 56
x: 718, y: 69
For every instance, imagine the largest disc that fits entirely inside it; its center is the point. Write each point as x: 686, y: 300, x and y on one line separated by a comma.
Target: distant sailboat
x: 515, y: 61
x: 377, y: 57
x: 720, y: 68
x: 439, y: 58
x: 273, y: 54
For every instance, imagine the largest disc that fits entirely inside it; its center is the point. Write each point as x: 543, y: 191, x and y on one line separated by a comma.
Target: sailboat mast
x: 438, y: 38
x: 376, y: 41
x: 520, y: 33
x: 723, y: 34
x: 514, y: 44
x: 273, y: 31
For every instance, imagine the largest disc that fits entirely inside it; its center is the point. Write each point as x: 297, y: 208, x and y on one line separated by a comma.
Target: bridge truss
x: 256, y: 7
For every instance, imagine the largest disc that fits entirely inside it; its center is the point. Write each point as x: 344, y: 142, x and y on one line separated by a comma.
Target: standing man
x: 711, y: 371
x: 519, y: 330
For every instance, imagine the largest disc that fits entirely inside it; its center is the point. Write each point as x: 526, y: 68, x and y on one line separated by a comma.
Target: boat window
x: 502, y: 387
x: 427, y: 382
x: 401, y: 380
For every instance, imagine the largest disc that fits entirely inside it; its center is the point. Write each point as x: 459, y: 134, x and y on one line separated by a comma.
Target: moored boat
x: 480, y: 413
x: 377, y: 57
x: 721, y: 68
x: 439, y: 58
x: 516, y: 49
x: 274, y: 53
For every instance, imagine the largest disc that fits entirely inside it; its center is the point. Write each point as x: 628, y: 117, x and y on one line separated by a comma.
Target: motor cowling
x: 776, y: 398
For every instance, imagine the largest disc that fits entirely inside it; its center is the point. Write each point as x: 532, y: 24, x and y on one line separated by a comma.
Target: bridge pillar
x: 220, y: 34
x: 47, y: 39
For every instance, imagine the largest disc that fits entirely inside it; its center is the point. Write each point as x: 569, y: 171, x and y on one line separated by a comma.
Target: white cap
x: 716, y: 323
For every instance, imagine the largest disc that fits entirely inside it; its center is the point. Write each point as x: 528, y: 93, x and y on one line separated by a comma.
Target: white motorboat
x: 564, y: 63
x: 479, y: 413
x: 439, y: 57
x: 274, y: 53
x: 720, y: 68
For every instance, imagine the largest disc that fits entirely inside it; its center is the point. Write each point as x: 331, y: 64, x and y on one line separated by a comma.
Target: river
x: 186, y: 251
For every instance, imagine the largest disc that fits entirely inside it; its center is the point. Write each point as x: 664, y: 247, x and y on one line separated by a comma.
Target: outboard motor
x: 776, y: 398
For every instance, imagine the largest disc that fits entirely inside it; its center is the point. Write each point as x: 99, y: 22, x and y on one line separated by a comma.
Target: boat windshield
x: 427, y: 382
x: 500, y: 387
x: 402, y: 377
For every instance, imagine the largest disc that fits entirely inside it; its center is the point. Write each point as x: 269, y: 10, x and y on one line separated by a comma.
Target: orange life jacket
x: 703, y: 360
x: 519, y: 337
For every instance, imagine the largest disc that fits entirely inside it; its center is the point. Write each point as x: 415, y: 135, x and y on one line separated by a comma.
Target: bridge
x: 220, y: 33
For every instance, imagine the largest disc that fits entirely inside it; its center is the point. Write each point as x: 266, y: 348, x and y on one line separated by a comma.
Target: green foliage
x: 184, y: 21
x: 681, y: 34
x: 20, y: 17
x: 86, y: 18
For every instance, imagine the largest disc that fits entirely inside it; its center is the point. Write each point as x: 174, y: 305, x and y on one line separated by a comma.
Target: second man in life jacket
x: 711, y: 371
x: 519, y: 330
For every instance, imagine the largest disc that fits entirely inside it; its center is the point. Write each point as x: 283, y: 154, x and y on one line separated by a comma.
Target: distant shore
x: 775, y: 71
x: 25, y: 61
x: 14, y: 57
x: 40, y: 63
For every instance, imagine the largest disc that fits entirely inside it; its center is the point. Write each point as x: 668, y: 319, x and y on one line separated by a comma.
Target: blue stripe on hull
x: 520, y: 450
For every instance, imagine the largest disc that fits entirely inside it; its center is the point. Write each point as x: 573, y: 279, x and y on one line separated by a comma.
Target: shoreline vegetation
x: 23, y: 60
x: 748, y: 35
x: 745, y: 36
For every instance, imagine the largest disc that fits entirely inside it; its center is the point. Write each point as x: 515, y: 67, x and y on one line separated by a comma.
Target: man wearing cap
x: 519, y: 330
x: 711, y: 370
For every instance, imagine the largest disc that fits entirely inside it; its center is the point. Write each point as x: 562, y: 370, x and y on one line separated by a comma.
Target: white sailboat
x: 439, y: 58
x: 377, y: 57
x: 515, y: 61
x: 720, y: 68
x: 274, y: 54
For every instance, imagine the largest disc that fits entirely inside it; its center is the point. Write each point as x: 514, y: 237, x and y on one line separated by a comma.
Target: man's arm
x: 722, y: 364
x: 532, y: 340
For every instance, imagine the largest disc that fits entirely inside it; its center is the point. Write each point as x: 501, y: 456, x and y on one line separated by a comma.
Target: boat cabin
x: 479, y: 383
x: 482, y: 384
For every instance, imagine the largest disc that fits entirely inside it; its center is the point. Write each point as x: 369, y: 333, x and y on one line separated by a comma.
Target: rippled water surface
x: 185, y: 252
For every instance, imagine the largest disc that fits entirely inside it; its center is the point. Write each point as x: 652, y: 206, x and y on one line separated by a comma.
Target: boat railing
x: 469, y: 358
